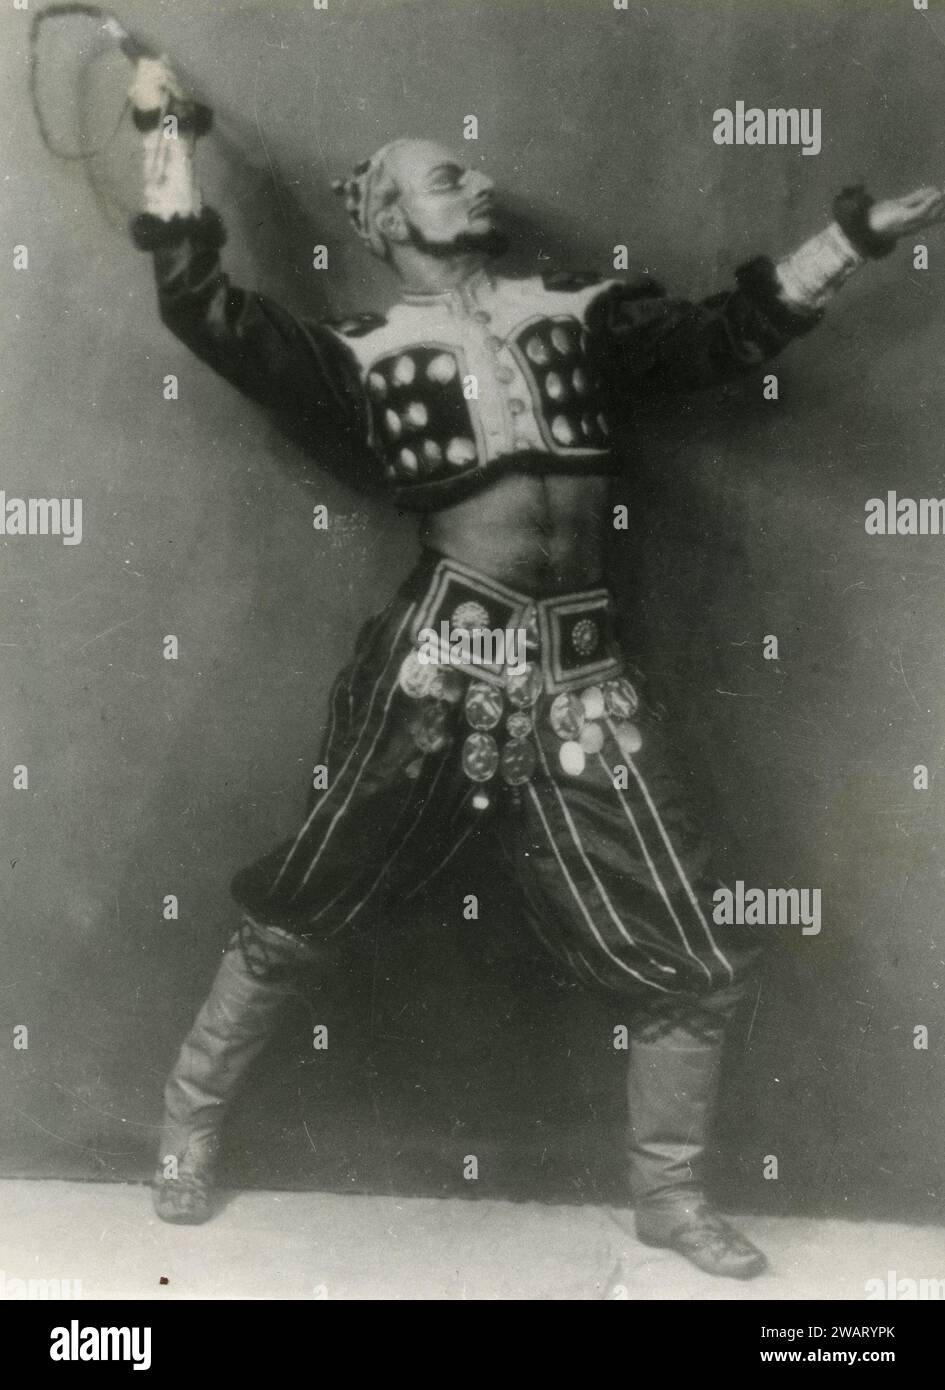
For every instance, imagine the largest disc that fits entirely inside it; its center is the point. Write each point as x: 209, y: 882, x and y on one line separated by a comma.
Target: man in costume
x: 486, y: 404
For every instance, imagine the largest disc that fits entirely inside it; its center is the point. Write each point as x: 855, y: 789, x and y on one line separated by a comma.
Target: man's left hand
x: 895, y: 217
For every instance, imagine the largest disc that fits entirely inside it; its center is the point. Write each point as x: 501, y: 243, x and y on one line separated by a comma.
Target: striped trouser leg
x: 390, y: 810
x: 615, y: 869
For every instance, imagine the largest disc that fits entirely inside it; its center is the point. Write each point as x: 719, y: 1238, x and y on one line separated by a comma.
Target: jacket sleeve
x: 300, y: 371
x: 639, y: 337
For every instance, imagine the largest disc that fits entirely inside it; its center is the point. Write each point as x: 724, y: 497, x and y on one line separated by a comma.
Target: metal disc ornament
x: 629, y: 738
x: 428, y: 728
x: 519, y: 724
x: 480, y: 757
x: 524, y: 688
x: 517, y: 762
x: 592, y: 738
x: 566, y: 715
x: 416, y: 677
x: 470, y: 615
x: 621, y: 700
x: 449, y: 686
x: 484, y: 705
x: 572, y: 759
x: 593, y: 701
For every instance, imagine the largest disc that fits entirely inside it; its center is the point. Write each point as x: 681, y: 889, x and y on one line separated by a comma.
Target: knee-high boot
x: 231, y: 1029
x: 673, y: 1077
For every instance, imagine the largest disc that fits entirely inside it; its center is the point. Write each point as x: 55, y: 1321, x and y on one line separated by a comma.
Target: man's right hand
x: 156, y: 91
x: 155, y: 86
x: 170, y: 182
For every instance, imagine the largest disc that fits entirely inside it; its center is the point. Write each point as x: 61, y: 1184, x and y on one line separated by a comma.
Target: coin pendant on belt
x: 592, y: 738
x: 480, y: 757
x: 566, y: 715
x: 517, y: 762
x: 524, y: 688
x: 519, y: 724
x: 620, y: 698
x: 448, y: 685
x: 593, y: 701
x: 484, y: 705
x: 428, y: 727
x: 572, y: 759
x: 629, y: 738
x: 416, y: 677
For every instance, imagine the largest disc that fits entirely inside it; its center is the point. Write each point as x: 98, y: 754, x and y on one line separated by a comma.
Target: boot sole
x: 177, y: 1217
x: 751, y: 1270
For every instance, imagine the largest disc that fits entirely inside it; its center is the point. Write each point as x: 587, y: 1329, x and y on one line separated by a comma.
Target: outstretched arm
x: 300, y: 371
x: 640, y: 336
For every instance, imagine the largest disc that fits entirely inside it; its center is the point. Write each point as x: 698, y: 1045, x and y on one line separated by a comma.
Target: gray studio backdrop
x: 149, y: 777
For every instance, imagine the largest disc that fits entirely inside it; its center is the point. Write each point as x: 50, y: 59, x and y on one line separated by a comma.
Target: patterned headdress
x: 370, y: 187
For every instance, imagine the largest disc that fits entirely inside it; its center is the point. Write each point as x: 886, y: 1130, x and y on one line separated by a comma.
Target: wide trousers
x: 562, y: 768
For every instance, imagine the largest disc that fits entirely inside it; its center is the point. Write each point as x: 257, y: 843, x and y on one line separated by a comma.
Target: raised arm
x: 300, y: 371
x: 640, y: 336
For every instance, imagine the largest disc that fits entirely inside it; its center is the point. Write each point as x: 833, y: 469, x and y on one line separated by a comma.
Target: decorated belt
x: 563, y: 647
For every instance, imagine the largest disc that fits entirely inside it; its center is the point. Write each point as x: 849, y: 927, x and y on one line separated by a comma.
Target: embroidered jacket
x: 447, y: 391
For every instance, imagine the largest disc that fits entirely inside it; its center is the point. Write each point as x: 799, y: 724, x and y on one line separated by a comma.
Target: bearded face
x: 440, y: 206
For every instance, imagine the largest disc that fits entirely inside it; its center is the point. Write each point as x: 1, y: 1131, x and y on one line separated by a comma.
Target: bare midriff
x: 536, y: 534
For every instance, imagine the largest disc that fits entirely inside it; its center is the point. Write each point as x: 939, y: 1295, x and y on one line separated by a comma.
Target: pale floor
x: 313, y: 1245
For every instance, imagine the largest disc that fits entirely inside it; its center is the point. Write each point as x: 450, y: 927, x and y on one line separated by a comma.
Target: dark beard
x: 491, y: 243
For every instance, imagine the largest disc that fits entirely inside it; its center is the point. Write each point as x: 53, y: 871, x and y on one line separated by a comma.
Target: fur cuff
x: 194, y: 118
x: 150, y: 233
x: 759, y: 280
x: 851, y: 207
